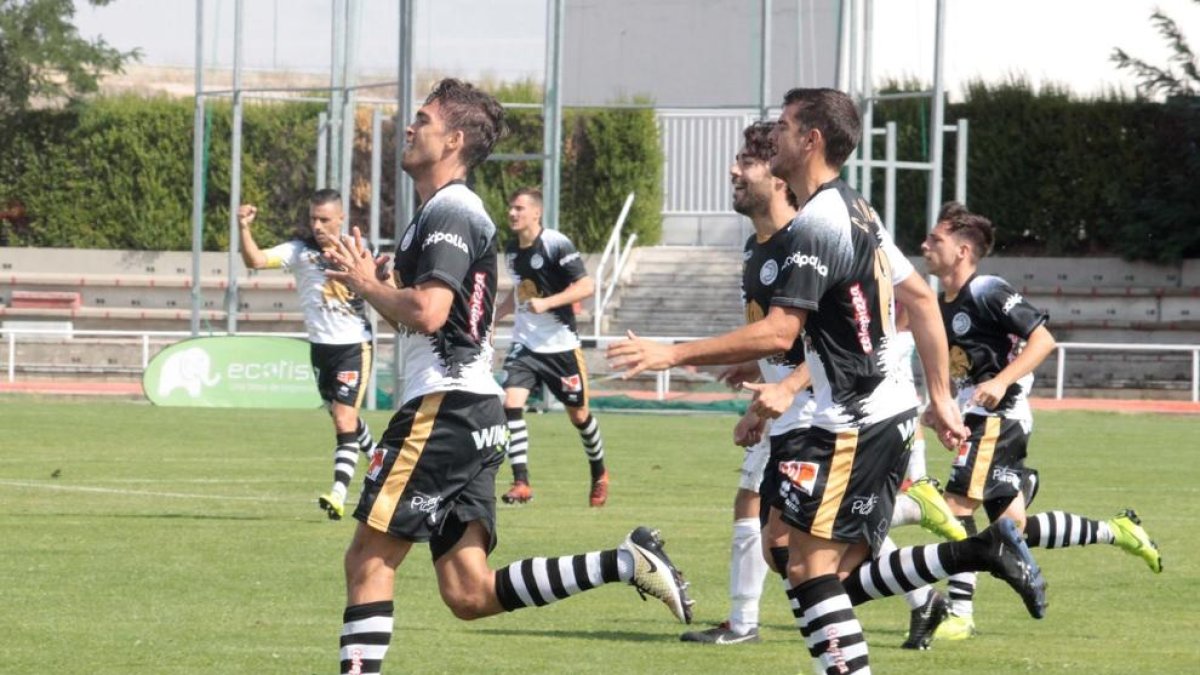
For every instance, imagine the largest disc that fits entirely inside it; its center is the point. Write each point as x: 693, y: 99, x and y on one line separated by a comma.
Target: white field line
x: 133, y: 493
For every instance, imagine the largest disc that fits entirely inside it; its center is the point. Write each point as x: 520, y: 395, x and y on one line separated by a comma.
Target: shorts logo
x: 768, y: 273
x: 964, y: 452
x: 378, y: 455
x: 536, y: 261
x: 803, y: 475
x: 863, y: 506
x: 960, y: 324
x: 1003, y: 474
x: 425, y: 503
x: 572, y: 383
x: 348, y: 377
x: 495, y: 436
x: 408, y: 238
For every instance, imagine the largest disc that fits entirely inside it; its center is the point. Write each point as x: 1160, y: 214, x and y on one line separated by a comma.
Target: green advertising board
x: 233, y: 372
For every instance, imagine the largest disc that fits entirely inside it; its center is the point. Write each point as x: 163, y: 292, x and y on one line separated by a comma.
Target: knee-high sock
x: 747, y: 570
x: 518, y: 443
x: 961, y: 587
x: 831, y: 631
x: 914, y: 598
x: 345, y: 459
x: 366, y: 633
x: 593, y: 445
x: 365, y: 442
x: 541, y: 581
x: 1058, y: 529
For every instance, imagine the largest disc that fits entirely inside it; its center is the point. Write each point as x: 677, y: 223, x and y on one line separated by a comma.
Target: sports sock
x: 961, y: 587
x: 541, y: 581
x: 345, y: 458
x: 1058, y: 529
x: 366, y: 632
x: 906, y: 512
x: 518, y: 443
x: 593, y: 445
x: 915, y: 598
x: 831, y: 631
x: 747, y: 570
x: 363, y: 435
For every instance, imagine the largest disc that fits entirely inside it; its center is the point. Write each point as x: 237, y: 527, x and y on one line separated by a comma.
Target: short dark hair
x: 973, y: 228
x: 325, y: 196
x: 758, y: 146
x: 472, y: 111
x: 834, y: 114
x: 531, y: 192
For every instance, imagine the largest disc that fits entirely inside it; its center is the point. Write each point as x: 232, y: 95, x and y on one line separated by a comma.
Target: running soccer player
x: 339, y: 334
x: 432, y: 476
x: 548, y: 278
x: 996, y: 340
x: 839, y: 480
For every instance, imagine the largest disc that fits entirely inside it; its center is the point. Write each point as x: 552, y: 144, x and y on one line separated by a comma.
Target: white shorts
x: 754, y: 463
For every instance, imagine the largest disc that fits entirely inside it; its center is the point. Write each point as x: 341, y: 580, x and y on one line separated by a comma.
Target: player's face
x: 941, y: 250
x: 326, y: 222
x: 752, y: 184
x: 791, y: 144
x: 524, y: 214
x: 426, y: 139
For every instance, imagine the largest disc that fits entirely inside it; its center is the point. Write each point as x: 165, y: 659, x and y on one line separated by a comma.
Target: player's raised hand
x: 634, y: 355
x: 354, y: 265
x: 246, y: 214
x: 770, y: 399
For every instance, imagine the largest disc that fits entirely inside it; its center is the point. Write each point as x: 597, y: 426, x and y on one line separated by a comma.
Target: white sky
x: 1062, y: 41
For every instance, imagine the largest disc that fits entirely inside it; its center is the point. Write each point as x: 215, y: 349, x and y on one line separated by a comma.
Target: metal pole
x: 12, y: 357
x: 322, y: 150
x: 198, y: 133
x: 889, y: 180
x: 376, y: 179
x: 235, y: 173
x: 405, y: 197
x: 960, y: 162
x: 349, y: 120
x: 868, y: 101
x: 764, y: 71
x: 1195, y: 375
x: 843, y: 24
x: 552, y: 114
x: 1062, y: 359
x: 936, y: 113
x: 337, y: 52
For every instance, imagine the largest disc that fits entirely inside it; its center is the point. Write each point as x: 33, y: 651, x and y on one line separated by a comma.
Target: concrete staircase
x: 680, y: 292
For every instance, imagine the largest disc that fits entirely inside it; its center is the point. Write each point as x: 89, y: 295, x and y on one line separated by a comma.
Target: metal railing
x: 604, y: 292
x: 1062, y: 348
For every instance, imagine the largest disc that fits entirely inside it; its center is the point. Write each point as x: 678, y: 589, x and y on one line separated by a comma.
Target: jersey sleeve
x: 808, y: 271
x: 1011, y: 309
x: 447, y: 248
x: 901, y: 267
x: 282, y: 255
x: 568, y: 259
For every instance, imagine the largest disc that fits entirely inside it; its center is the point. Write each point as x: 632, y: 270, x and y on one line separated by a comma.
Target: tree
x: 1166, y: 81
x: 42, y: 55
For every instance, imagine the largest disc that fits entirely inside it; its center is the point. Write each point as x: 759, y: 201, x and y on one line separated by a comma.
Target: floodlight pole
x: 552, y: 115
x: 405, y: 193
x: 936, y: 111
x: 764, y: 71
x: 235, y: 173
x: 198, y: 139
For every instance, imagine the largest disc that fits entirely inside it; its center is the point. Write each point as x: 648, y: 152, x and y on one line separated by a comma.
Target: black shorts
x: 990, y: 466
x: 564, y: 373
x: 343, y: 371
x: 434, y: 469
x: 769, y: 489
x: 842, y: 486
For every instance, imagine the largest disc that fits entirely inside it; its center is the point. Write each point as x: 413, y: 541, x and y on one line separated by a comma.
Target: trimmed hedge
x: 117, y: 173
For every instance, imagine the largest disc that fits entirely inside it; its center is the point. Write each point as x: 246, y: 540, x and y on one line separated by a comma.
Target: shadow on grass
x: 606, y: 636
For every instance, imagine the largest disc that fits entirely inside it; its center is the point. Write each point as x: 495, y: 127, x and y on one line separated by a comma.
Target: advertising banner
x: 233, y: 372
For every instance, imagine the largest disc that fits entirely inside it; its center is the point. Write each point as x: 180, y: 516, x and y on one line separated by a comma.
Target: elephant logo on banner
x: 190, y: 370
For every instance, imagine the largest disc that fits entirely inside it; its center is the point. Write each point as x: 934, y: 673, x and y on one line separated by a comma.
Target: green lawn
x: 139, y: 539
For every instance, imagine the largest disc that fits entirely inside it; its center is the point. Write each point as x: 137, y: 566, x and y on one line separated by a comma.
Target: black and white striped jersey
x: 451, y: 239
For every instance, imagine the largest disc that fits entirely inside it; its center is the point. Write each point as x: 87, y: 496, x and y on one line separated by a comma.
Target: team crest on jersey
x: 378, y: 455
x: 408, y: 238
x: 536, y: 261
x: 803, y: 475
x: 348, y: 377
x: 572, y: 383
x: 768, y: 272
x: 960, y: 324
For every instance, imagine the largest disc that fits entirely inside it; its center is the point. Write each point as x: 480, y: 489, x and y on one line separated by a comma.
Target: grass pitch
x: 141, y: 539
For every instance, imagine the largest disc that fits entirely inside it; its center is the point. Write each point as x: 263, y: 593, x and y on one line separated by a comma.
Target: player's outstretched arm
x: 1039, y: 346
x: 770, y: 335
x: 252, y: 255
x: 423, y: 308
x: 925, y: 321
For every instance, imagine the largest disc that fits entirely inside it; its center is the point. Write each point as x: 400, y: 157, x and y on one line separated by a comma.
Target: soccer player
x: 548, y: 278
x: 339, y: 333
x: 759, y: 536
x: 839, y: 480
x: 432, y: 476
x: 996, y: 340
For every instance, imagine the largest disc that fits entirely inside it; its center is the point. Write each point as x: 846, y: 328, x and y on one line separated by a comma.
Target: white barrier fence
x: 147, y: 339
